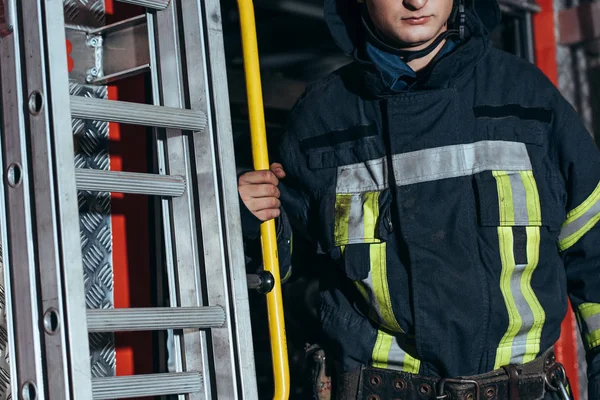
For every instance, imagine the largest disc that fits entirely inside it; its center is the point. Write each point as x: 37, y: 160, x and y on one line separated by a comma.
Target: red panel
x: 545, y: 54
x: 130, y: 213
x: 545, y: 40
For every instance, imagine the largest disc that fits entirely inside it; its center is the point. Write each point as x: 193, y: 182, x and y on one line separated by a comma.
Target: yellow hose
x: 260, y: 156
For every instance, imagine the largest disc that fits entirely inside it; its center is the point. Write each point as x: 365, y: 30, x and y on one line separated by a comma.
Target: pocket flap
x: 351, y: 146
x: 508, y: 198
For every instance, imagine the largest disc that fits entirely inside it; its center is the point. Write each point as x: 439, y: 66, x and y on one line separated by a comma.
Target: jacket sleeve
x: 579, y: 241
x: 294, y: 207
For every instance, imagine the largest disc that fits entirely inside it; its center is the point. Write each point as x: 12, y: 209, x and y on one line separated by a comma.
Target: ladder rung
x: 137, y: 114
x: 129, y: 182
x: 154, y: 4
x: 152, y: 319
x: 126, y: 387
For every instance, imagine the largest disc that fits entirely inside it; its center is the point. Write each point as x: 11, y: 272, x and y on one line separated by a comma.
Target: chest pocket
x: 523, y: 196
x: 361, y: 222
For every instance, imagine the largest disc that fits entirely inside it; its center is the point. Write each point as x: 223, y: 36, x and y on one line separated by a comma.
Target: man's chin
x: 415, y: 37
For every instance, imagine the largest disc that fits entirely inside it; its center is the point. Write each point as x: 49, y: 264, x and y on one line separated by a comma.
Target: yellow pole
x: 260, y: 156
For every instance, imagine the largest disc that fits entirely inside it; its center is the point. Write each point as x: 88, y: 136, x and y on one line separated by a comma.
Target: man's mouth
x: 417, y: 20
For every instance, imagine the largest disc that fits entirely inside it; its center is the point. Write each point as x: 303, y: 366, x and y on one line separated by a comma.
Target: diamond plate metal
x: 91, y: 151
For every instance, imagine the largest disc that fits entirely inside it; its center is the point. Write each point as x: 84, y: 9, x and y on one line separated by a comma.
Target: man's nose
x: 414, y: 5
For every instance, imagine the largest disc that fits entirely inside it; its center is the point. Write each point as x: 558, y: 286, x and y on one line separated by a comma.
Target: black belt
x: 528, y: 381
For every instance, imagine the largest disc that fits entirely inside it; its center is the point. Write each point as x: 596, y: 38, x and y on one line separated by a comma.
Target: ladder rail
x: 217, y: 290
x: 26, y: 368
x: 181, y: 211
x: 11, y: 121
x: 214, y: 159
x: 66, y: 210
x: 227, y: 176
x: 67, y: 207
x: 174, y: 353
x: 38, y: 44
x: 267, y: 229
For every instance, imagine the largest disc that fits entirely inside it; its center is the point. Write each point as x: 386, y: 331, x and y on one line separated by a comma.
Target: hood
x: 344, y: 22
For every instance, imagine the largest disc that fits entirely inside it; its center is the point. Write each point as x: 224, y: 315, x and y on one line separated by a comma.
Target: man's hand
x: 258, y: 190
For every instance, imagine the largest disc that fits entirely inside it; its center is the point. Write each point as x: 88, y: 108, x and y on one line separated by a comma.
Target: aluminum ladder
x: 48, y: 323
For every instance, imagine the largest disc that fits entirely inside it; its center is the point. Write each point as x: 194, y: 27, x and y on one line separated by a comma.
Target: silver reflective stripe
x: 519, y: 199
x: 434, y: 164
x: 356, y: 223
x: 368, y: 285
x: 592, y: 323
x: 525, y: 312
x: 572, y: 227
x: 370, y: 176
x: 396, y: 356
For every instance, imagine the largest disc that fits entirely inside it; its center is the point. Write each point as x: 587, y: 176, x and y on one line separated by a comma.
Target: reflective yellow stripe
x: 588, y: 315
x: 587, y: 310
x: 580, y: 220
x: 371, y: 214
x: 380, y: 286
x: 526, y: 317
x: 505, y: 198
x: 504, y: 351
x: 534, y: 336
x: 341, y: 217
x: 381, y: 351
x: 411, y: 364
x: 574, y: 238
x: 593, y: 339
x: 534, y: 208
x: 578, y: 211
x: 387, y: 353
x: 534, y: 213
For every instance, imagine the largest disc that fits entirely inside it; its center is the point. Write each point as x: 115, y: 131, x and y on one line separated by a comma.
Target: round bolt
x: 29, y: 391
x: 373, y: 397
x: 51, y: 321
x: 35, y: 102
x: 94, y: 71
x: 375, y: 380
x: 490, y: 392
x: 425, y: 388
x: 14, y: 175
x: 399, y: 384
x: 469, y: 396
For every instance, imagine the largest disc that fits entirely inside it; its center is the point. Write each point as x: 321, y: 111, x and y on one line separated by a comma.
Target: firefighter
x: 455, y: 196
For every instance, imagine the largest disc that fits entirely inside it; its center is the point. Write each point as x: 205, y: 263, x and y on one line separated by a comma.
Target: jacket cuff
x: 250, y: 223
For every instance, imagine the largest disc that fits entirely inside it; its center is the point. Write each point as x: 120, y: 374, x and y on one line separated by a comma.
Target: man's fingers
x: 258, y: 190
x: 277, y: 169
x: 254, y: 177
x: 266, y: 215
x: 262, y: 203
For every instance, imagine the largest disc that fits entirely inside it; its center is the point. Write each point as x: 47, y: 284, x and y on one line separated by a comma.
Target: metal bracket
x: 109, y: 53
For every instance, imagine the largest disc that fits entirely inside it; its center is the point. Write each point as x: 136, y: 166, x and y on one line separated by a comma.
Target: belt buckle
x: 441, y: 395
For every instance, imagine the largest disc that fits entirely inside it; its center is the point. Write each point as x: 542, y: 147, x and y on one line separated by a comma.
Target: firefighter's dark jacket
x: 460, y: 215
